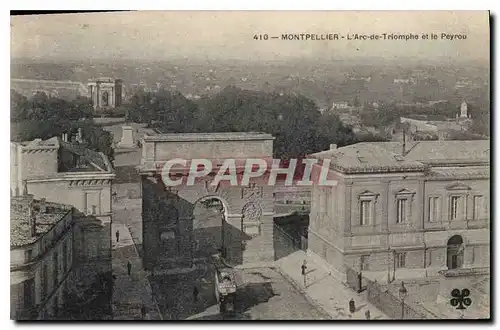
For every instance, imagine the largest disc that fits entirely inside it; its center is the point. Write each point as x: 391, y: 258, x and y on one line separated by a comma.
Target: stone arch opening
x: 209, y: 216
x: 245, y: 231
x: 455, y: 252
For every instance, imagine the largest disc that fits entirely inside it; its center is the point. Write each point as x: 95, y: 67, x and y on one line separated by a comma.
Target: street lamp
x: 402, y: 295
x: 394, y: 265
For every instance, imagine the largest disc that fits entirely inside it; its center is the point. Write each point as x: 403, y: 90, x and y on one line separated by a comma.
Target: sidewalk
x: 331, y: 295
x: 130, y: 293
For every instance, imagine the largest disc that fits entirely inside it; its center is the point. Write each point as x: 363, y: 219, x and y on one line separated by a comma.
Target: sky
x: 158, y: 35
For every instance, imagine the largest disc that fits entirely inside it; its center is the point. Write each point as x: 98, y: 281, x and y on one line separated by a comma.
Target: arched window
x: 455, y: 252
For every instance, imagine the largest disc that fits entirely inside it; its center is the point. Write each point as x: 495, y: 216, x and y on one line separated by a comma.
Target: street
x: 263, y: 294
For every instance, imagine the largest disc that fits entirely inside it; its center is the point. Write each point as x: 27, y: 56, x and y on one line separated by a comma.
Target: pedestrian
x: 117, y: 235
x: 304, y: 268
x: 129, y: 267
x: 143, y: 312
x: 367, y: 314
x: 195, y: 293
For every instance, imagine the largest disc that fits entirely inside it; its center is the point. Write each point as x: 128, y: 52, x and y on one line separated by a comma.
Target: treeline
x: 388, y: 114
x: 44, y: 117
x: 295, y: 121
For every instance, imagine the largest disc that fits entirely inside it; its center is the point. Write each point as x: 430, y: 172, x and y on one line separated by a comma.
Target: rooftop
x: 461, y: 172
x: 387, y: 156
x: 41, y: 144
x: 366, y: 157
x: 20, y: 231
x: 442, y: 151
x: 225, y: 136
x: 98, y: 160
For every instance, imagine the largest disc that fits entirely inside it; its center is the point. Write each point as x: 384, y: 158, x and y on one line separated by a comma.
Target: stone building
x: 106, y: 93
x: 172, y: 234
x: 41, y: 257
x: 404, y: 211
x: 70, y: 174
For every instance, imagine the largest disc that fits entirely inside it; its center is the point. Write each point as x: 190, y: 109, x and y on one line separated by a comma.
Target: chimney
x: 333, y: 146
x: 43, y: 206
x: 24, y: 205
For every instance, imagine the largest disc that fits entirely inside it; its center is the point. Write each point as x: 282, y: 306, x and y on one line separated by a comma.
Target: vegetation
x: 44, y: 117
x: 93, y: 304
x: 294, y: 120
x: 389, y: 114
x: 464, y: 135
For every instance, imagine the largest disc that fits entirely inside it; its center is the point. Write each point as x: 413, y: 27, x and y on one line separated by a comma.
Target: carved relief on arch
x: 210, y: 188
x: 251, y: 211
x: 251, y: 192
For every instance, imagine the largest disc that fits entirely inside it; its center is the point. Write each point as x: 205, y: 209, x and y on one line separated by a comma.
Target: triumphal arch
x: 173, y: 235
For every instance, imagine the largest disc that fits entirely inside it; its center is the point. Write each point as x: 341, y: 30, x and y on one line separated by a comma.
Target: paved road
x: 130, y: 292
x: 263, y: 295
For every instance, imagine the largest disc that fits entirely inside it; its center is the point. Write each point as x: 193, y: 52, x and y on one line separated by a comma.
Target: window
x: 29, y: 293
x: 29, y: 255
x: 322, y: 201
x: 434, y: 209
x: 479, y: 208
x: 401, y: 211
x: 328, y: 203
x: 400, y: 260
x: 365, y: 213
x: 457, y: 207
x: 65, y: 257
x: 45, y: 281
x: 55, y: 272
x: 366, y: 203
x: 365, y: 262
x: 105, y: 99
x: 92, y: 201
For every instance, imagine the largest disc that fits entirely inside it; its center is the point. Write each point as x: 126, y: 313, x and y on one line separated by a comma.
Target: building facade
x: 69, y: 173
x: 105, y: 93
x: 41, y: 257
x: 404, y: 211
x: 173, y: 236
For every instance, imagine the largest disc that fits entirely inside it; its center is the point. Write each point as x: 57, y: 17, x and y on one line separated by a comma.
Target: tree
x: 18, y: 106
x: 44, y: 117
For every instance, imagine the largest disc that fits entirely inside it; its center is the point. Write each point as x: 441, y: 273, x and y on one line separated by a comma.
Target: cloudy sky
x: 221, y: 35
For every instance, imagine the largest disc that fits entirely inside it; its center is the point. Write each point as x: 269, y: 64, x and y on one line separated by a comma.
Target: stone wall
x: 392, y: 306
x: 248, y: 237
